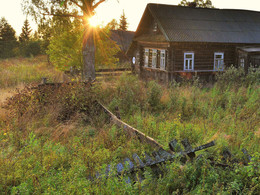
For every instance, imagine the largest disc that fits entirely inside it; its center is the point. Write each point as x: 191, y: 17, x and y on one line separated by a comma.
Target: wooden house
x: 123, y: 39
x: 173, y: 41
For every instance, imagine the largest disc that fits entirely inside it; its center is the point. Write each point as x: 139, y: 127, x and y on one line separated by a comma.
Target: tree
x: 123, y: 25
x: 197, y: 3
x: 26, y: 31
x: 113, y: 25
x: 8, y: 40
x: 81, y: 9
x: 65, y: 48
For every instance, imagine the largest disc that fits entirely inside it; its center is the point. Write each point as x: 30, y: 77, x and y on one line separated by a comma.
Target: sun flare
x: 94, y: 21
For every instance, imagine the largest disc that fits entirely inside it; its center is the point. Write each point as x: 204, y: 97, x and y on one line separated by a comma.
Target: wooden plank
x: 188, y: 147
x: 128, y: 164
x: 119, y: 168
x: 173, y: 146
x: 113, y: 69
x: 130, y: 130
x: 157, y: 157
x: 163, y: 154
x: 148, y: 159
x: 248, y: 157
x: 138, y: 161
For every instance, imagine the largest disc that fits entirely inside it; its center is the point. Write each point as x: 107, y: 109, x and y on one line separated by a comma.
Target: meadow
x: 53, y: 140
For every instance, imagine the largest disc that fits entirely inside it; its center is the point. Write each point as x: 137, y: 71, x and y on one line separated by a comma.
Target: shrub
x: 154, y: 94
x: 30, y: 48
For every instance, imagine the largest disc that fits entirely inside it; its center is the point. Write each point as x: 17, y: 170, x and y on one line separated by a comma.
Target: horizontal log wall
x: 203, y: 54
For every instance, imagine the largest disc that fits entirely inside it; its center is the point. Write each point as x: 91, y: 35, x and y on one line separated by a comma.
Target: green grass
x: 52, y: 141
x: 18, y: 71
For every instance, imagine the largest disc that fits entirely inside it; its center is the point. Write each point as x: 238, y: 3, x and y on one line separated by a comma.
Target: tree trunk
x: 88, y: 51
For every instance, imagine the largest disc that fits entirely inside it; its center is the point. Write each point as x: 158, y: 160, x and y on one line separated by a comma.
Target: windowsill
x: 199, y: 71
x: 156, y: 69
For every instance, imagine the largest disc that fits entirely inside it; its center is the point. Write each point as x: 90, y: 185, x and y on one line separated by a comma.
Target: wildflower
x: 5, y: 133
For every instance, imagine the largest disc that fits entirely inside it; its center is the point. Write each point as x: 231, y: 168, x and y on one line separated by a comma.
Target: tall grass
x: 53, y: 140
x: 228, y: 111
x: 17, y: 71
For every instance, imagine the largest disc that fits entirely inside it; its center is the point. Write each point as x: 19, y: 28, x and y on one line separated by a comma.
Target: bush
x: 31, y: 48
x: 237, y: 77
x: 154, y: 95
x: 131, y: 94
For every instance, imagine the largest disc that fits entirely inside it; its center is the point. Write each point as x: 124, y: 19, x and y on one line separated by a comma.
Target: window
x: 162, y: 60
x: 242, y: 62
x: 219, y: 61
x: 188, y: 61
x: 146, y: 57
x: 154, y: 58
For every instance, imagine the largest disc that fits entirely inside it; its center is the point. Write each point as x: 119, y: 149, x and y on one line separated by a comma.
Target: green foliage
x: 19, y: 71
x: 30, y: 48
x: 130, y: 94
x: 123, y: 22
x: 237, y: 77
x: 106, y: 49
x: 8, y: 41
x: 197, y: 3
x: 26, y: 32
x: 53, y: 140
x: 154, y: 95
x: 65, y: 49
x: 113, y: 24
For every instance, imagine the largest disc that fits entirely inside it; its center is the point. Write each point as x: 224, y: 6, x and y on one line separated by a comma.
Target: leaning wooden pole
x: 131, y: 130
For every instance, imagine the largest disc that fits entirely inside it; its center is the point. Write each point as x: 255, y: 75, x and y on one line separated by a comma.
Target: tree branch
x: 98, y: 3
x: 63, y: 15
x: 73, y: 1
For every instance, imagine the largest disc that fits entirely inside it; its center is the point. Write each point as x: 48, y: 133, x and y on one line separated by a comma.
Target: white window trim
x: 242, y: 62
x: 192, y: 60
x: 154, y: 58
x: 215, y: 65
x: 162, y: 59
x: 146, y: 57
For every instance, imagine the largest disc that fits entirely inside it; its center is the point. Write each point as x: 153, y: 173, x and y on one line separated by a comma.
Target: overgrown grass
x: 53, y: 139
x: 18, y: 71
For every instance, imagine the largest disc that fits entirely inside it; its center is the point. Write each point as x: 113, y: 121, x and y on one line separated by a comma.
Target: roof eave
x: 159, y: 24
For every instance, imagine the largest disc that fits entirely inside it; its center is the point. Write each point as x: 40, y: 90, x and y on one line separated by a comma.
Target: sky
x: 12, y: 11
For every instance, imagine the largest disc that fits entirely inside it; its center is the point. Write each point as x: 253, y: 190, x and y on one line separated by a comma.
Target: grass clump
x: 17, y: 71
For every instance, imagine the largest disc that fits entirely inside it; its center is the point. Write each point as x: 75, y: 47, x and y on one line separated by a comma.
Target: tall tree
x: 26, y: 32
x: 197, y: 3
x: 82, y: 9
x: 123, y: 25
x: 8, y: 40
x: 113, y: 25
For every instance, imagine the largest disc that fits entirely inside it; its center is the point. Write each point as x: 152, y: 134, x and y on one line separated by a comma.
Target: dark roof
x: 187, y: 24
x: 122, y: 38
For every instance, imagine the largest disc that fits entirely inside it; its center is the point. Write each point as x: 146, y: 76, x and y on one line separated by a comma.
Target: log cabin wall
x: 203, y: 58
x: 149, y: 73
x: 204, y: 54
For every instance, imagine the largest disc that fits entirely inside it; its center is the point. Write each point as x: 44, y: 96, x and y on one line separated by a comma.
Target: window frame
x: 154, y: 58
x: 190, y: 60
x: 163, y: 59
x: 217, y: 65
x: 242, y: 62
x: 146, y: 57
